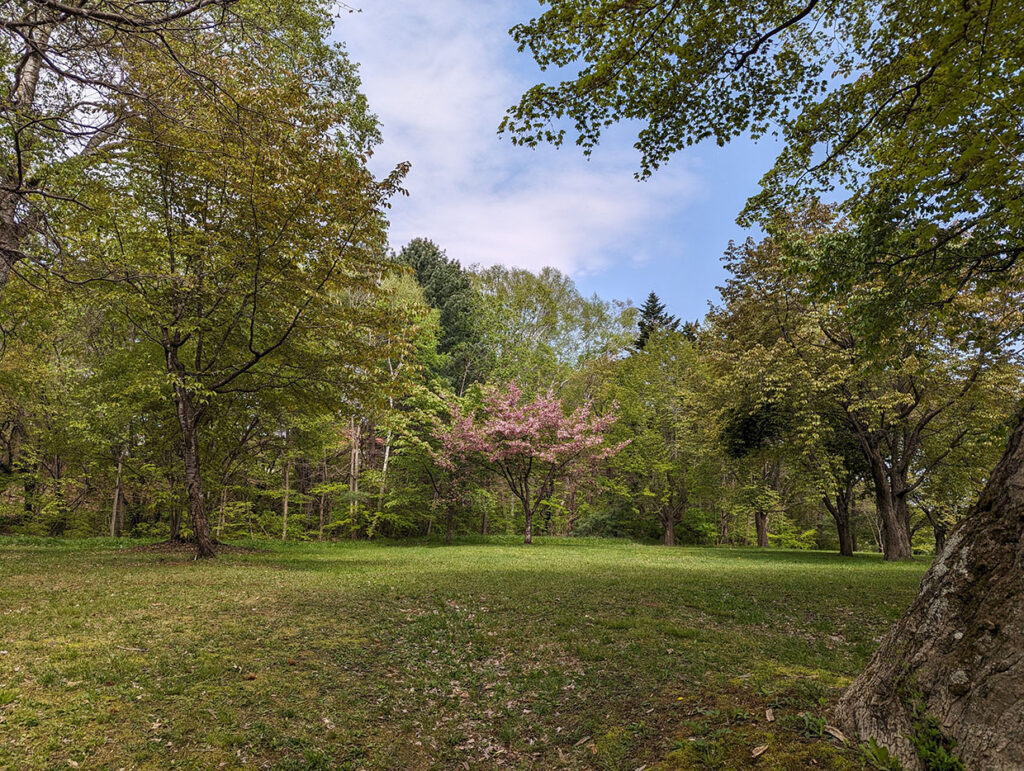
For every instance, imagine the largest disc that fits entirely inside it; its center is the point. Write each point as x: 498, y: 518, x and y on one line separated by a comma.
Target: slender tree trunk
x: 287, y: 490
x: 957, y: 652
x: 323, y: 504
x: 353, y: 476
x: 528, y: 532
x: 483, y: 523
x: 384, y: 466
x: 761, y: 524
x: 840, y: 511
x: 223, y: 505
x: 117, y: 498
x: 188, y: 419
x: 175, y: 524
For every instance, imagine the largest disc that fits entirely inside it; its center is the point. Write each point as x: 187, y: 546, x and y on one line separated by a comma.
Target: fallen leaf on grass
x: 759, y: 751
x: 769, y: 715
x: 249, y: 676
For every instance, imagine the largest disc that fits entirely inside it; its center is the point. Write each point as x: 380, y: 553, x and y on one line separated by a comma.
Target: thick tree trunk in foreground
x: 959, y: 651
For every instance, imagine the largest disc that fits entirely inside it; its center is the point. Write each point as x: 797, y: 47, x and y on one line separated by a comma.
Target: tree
x: 449, y: 289
x: 659, y: 407
x: 250, y: 261
x: 542, y: 331
x: 66, y: 97
x: 895, y: 395
x: 915, y: 109
x: 530, y: 443
x: 653, y: 317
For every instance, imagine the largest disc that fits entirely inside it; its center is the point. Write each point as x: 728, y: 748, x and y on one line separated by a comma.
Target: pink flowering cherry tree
x: 531, y: 443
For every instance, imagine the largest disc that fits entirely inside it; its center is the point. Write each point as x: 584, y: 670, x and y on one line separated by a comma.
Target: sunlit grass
x: 565, y: 654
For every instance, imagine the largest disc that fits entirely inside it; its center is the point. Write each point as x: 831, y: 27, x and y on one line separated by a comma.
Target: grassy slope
x: 569, y: 654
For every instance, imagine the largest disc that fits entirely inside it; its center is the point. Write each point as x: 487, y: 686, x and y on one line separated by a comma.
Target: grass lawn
x: 568, y: 654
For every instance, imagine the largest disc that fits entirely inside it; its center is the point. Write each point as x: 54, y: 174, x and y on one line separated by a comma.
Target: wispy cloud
x: 440, y: 75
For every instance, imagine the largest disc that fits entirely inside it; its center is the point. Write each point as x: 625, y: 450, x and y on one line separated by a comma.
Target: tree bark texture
x: 761, y: 524
x: 893, y: 514
x: 188, y: 419
x: 839, y: 508
x: 958, y: 652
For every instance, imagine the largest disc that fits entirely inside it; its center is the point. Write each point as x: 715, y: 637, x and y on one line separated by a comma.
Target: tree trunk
x: 761, y: 523
x: 483, y: 523
x: 287, y: 489
x: 528, y: 535
x: 353, y: 469
x: 723, y: 527
x: 840, y: 511
x: 668, y: 526
x: 117, y: 498
x: 188, y: 419
x: 845, y: 537
x: 220, y: 515
x: 175, y: 524
x: 957, y: 652
x: 892, y: 512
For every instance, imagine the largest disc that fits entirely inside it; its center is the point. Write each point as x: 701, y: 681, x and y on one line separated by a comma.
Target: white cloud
x: 440, y: 75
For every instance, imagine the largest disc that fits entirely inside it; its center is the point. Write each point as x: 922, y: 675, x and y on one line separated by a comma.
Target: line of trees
x: 439, y: 399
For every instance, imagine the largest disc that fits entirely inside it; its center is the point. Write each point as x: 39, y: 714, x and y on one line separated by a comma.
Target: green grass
x: 567, y: 654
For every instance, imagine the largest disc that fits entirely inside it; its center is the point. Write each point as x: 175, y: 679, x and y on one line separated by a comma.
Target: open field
x: 572, y: 653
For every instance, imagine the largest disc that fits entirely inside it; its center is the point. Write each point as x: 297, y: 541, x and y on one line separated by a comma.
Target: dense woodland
x: 206, y: 335
x: 766, y: 423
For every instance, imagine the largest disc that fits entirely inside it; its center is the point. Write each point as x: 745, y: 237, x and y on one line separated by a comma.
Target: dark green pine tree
x: 447, y: 287
x: 654, y: 318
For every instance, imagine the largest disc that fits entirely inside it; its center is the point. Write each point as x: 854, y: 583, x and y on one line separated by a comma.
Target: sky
x: 440, y: 75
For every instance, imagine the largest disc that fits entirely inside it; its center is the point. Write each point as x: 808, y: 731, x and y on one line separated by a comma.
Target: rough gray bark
x: 894, y: 516
x: 188, y: 420
x: 959, y: 649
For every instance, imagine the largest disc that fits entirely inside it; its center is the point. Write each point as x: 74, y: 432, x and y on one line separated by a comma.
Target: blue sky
x: 440, y: 75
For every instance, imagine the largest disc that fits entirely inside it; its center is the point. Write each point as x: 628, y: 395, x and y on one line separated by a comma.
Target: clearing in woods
x: 488, y: 654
